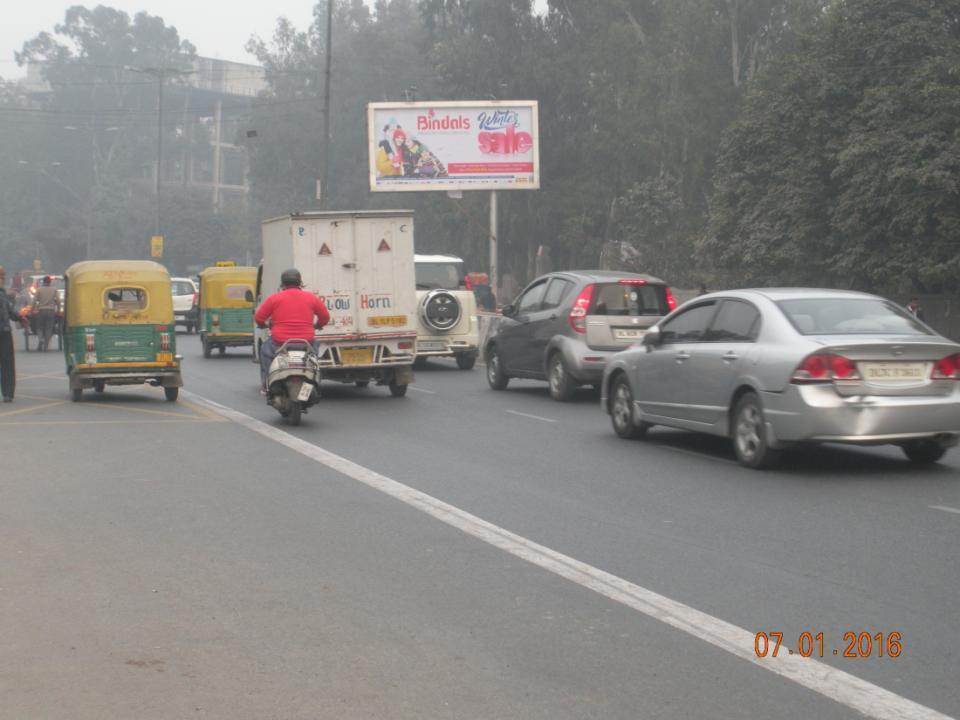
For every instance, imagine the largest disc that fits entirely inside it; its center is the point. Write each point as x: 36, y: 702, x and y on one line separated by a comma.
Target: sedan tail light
x: 947, y: 368
x: 578, y: 314
x: 825, y: 367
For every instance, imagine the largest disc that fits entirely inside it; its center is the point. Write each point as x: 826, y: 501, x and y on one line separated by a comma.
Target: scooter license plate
x: 305, y: 391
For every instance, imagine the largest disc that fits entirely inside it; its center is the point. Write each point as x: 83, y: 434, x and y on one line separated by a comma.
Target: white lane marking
x: 527, y: 415
x: 423, y: 390
x: 694, y: 453
x: 945, y: 508
x: 846, y: 689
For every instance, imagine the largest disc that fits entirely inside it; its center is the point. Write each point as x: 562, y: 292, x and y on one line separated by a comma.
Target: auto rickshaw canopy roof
x: 89, y: 282
x: 222, y: 287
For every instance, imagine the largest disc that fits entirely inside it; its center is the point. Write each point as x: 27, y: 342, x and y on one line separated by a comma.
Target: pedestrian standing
x: 46, y: 304
x: 8, y: 371
x: 914, y: 308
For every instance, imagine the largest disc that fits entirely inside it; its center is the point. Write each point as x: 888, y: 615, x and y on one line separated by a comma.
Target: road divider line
x: 528, y: 415
x: 842, y: 687
x: 421, y: 390
x: 32, y: 408
x: 945, y: 508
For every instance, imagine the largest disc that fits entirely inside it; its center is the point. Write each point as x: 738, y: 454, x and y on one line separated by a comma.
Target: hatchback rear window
x: 182, y: 287
x: 629, y: 299
x: 850, y: 316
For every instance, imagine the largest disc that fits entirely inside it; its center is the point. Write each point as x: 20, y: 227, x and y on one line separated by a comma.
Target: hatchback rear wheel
x: 750, y: 434
x: 562, y: 386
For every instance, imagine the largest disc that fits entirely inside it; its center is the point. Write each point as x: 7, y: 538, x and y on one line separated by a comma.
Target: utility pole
x: 325, y: 190
x: 161, y: 75
x: 494, y: 270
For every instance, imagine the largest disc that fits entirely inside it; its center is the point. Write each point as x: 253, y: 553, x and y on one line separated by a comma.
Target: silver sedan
x: 774, y: 367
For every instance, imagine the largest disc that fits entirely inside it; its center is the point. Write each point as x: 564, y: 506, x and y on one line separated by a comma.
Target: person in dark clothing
x: 914, y: 307
x: 8, y: 371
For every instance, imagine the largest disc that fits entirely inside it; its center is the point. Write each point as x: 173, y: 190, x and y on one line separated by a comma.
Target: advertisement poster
x: 492, y: 145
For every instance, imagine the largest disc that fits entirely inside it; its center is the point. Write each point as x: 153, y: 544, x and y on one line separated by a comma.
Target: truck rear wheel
x: 398, y: 390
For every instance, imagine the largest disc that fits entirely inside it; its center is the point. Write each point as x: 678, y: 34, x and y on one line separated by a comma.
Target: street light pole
x: 325, y: 190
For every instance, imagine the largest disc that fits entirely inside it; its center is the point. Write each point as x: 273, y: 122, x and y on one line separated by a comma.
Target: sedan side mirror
x: 652, y: 337
x: 508, y: 311
x: 248, y: 296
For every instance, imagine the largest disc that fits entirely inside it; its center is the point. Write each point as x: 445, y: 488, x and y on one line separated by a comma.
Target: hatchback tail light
x: 671, y: 300
x: 196, y: 298
x: 825, y: 367
x: 947, y: 368
x: 165, y: 342
x: 578, y: 313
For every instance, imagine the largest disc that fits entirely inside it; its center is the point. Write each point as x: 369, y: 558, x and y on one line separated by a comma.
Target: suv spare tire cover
x: 440, y: 310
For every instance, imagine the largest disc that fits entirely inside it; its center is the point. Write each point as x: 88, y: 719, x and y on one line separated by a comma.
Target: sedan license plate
x: 356, y: 356
x: 305, y: 391
x: 893, y: 371
x: 627, y: 333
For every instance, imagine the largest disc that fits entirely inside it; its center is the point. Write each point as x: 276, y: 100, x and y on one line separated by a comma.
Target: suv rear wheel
x: 466, y: 361
x: 562, y: 386
x: 497, y: 378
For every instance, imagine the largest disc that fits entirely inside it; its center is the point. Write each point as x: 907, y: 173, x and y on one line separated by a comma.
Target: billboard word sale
x: 453, y: 146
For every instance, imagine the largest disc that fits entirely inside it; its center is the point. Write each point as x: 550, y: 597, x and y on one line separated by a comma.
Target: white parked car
x: 447, y: 311
x: 185, y: 302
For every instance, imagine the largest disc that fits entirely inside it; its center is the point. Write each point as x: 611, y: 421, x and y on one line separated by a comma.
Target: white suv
x: 185, y: 309
x: 447, y: 311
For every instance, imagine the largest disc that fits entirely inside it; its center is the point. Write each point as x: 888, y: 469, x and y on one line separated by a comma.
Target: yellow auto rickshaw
x: 119, y: 327
x: 226, y: 313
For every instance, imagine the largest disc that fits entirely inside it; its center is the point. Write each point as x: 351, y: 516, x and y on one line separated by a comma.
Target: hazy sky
x: 217, y: 27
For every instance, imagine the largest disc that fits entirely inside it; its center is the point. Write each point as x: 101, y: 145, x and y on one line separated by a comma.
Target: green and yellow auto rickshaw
x: 119, y: 327
x: 226, y: 313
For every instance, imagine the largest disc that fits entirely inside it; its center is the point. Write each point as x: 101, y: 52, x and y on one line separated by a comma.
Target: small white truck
x: 361, y: 265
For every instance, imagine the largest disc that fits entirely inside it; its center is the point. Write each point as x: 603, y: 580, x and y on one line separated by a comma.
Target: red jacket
x: 291, y: 312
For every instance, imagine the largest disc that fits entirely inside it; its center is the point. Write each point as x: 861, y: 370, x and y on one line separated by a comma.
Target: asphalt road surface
x: 458, y: 553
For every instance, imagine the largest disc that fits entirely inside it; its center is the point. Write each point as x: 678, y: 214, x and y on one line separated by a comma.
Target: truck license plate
x: 893, y: 371
x: 388, y: 321
x: 356, y: 356
x: 305, y: 391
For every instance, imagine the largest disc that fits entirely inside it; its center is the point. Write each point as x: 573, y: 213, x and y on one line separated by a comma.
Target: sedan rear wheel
x: 924, y: 452
x: 621, y: 411
x: 750, y: 434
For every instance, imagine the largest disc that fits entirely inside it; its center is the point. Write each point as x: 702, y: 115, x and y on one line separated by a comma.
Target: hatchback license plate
x: 627, y: 333
x: 893, y: 371
x: 356, y: 356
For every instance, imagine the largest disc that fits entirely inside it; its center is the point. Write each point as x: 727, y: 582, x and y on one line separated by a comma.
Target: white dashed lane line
x: 532, y: 417
x: 421, y: 390
x: 945, y: 508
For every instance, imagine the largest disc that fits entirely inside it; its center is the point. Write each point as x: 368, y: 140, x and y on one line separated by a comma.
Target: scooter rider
x: 291, y: 313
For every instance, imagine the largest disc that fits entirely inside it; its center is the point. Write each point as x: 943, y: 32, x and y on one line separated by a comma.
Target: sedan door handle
x: 682, y: 356
x: 730, y: 356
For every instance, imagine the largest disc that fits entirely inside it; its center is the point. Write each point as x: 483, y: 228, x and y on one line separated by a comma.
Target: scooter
x: 293, y: 382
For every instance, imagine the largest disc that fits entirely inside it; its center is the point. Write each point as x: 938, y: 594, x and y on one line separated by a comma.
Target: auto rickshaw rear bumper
x: 160, y: 374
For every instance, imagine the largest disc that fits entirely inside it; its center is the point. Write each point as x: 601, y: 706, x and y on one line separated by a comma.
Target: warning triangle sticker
x: 324, y: 250
x: 384, y: 246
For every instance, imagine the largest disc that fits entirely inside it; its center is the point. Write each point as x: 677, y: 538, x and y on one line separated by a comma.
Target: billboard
x: 484, y: 145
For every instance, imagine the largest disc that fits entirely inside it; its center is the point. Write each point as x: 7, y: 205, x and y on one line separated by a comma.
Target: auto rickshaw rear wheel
x: 223, y: 349
x: 206, y: 346
x: 99, y: 386
x: 171, y: 393
x: 76, y: 394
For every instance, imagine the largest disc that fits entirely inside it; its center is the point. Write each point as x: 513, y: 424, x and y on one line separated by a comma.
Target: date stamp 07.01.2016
x: 855, y: 644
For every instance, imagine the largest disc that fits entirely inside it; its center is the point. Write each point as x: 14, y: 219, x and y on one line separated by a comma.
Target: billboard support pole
x: 494, y: 284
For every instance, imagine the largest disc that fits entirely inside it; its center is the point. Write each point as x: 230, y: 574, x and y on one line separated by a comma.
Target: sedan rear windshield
x: 850, y: 316
x: 439, y: 275
x: 621, y: 299
x: 182, y: 287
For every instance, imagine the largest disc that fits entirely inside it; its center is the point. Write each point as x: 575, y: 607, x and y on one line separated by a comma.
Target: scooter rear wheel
x: 293, y: 417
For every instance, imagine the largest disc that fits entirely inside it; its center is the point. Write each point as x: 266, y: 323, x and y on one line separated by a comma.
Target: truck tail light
x: 405, y: 345
x: 578, y: 313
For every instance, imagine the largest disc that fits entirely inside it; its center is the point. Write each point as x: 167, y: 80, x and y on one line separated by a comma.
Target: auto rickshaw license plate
x: 356, y: 356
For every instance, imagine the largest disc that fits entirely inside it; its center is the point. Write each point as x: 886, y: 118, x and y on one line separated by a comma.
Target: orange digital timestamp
x: 810, y: 644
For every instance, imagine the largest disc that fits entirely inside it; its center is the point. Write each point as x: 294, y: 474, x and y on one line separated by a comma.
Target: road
x: 458, y: 553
